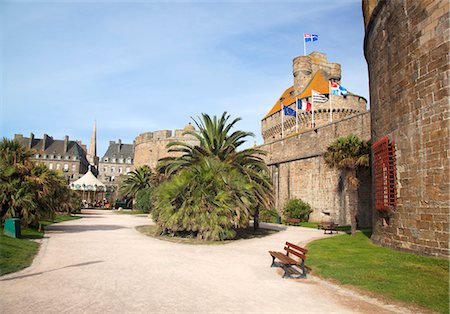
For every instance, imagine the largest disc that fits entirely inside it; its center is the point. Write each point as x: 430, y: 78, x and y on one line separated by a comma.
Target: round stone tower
x: 310, y: 72
x: 149, y: 147
x: 302, y: 70
x: 406, y: 47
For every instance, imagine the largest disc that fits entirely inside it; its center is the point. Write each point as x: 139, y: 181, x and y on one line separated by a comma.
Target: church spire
x: 92, y: 155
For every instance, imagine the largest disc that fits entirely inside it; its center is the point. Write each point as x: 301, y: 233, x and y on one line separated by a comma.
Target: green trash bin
x: 12, y: 227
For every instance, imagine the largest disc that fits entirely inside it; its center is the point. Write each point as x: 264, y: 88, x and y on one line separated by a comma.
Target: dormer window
x: 36, y: 156
x: 105, y: 159
x: 121, y: 160
x: 114, y: 160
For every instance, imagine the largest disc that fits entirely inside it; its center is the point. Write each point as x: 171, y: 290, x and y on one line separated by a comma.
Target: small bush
x: 296, y: 208
x: 144, y: 200
x: 270, y: 213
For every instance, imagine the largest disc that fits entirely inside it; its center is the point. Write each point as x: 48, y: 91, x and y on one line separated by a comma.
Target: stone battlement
x: 149, y: 147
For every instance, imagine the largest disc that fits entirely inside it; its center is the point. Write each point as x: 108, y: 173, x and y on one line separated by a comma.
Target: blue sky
x: 139, y: 66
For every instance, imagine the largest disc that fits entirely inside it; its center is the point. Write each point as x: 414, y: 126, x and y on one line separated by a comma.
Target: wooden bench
x: 265, y: 218
x: 287, y: 262
x: 328, y: 226
x: 293, y: 221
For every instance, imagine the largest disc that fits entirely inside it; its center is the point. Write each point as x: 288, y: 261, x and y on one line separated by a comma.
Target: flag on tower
x: 310, y: 37
x: 318, y: 97
x: 289, y: 111
x: 302, y: 104
x: 338, y: 90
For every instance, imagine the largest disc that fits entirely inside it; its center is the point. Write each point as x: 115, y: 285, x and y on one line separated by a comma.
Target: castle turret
x: 311, y: 72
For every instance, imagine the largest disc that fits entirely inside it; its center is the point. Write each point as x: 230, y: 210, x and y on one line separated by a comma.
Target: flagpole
x: 282, y: 117
x: 304, y: 45
x: 312, y: 108
x: 329, y: 95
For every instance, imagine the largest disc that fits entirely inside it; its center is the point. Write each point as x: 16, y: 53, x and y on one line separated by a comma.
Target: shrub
x: 271, y: 212
x: 208, y: 200
x: 144, y: 200
x: 296, y: 208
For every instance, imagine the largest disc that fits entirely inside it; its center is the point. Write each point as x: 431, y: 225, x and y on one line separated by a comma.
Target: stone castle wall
x: 299, y: 171
x: 340, y: 108
x: 407, y: 51
x: 149, y: 147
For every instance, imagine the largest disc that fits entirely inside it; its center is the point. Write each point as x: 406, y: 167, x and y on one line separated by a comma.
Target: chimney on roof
x: 66, y: 143
x: 45, y: 142
x: 30, y: 145
x: 119, y: 142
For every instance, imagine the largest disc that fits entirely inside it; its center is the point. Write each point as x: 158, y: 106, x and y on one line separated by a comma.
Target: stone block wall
x: 299, y: 171
x: 151, y: 146
x: 407, y: 51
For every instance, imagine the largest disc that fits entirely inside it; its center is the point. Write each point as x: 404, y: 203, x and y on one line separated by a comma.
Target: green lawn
x: 129, y: 212
x: 355, y: 261
x: 16, y: 254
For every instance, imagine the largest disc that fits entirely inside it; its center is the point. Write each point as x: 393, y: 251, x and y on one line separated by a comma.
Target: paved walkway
x: 101, y: 264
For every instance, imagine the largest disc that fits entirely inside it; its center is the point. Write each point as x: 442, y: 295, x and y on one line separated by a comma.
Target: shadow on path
x: 48, y: 271
x: 81, y: 228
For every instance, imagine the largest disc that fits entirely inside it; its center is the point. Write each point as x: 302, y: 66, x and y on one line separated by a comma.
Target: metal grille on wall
x: 385, y: 175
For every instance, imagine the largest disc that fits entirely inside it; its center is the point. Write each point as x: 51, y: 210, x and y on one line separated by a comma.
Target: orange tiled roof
x: 289, y: 98
x: 319, y: 83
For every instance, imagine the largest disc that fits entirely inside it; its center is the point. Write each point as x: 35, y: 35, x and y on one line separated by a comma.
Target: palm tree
x: 348, y: 154
x: 136, y: 180
x: 216, y: 141
x: 208, y: 200
x: 16, y: 192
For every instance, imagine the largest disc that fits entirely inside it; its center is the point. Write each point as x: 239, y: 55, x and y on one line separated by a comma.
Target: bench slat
x: 303, y: 257
x: 284, y: 258
x: 297, y: 247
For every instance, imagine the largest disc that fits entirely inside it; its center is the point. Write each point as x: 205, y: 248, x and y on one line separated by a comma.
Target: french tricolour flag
x: 310, y: 37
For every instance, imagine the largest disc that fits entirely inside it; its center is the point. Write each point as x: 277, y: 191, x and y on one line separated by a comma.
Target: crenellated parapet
x: 312, y: 72
x: 149, y: 147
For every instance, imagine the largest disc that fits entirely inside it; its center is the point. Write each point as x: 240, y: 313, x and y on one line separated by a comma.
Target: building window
x: 74, y: 158
x: 385, y: 175
x: 50, y: 166
x: 74, y: 167
x: 113, y: 169
x: 121, y: 160
x: 57, y: 166
x: 106, y: 159
x: 128, y: 160
x: 113, y: 178
x: 66, y: 168
x: 120, y: 169
x: 105, y: 169
x: 36, y: 156
x: 113, y: 160
x: 45, y: 156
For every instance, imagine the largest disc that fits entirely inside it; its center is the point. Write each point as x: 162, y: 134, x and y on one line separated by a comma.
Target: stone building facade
x: 65, y: 156
x: 295, y: 154
x: 407, y: 50
x: 117, y: 161
x: 149, y: 147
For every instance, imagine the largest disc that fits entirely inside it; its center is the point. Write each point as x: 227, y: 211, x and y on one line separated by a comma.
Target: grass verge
x: 16, y: 254
x: 242, y: 234
x: 406, y: 277
x: 130, y: 212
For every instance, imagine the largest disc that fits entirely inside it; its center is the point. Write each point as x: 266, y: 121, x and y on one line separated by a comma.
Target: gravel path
x: 101, y: 264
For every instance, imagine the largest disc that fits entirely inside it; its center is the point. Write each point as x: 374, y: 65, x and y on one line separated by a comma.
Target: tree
x: 216, y: 140
x: 29, y: 191
x: 136, y: 180
x: 207, y: 200
x: 348, y: 154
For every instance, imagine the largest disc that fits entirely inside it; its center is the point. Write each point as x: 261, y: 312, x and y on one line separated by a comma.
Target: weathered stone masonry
x: 407, y: 51
x: 299, y: 171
